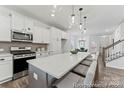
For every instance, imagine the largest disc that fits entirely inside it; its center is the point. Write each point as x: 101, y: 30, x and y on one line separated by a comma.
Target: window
x: 81, y: 43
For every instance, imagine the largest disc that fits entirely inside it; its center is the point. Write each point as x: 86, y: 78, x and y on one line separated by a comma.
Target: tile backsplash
x: 6, y: 45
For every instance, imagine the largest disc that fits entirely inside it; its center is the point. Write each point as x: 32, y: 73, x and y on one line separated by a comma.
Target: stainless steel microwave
x: 21, y: 36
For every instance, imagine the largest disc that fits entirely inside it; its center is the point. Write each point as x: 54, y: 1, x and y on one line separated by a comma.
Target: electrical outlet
x: 35, y: 76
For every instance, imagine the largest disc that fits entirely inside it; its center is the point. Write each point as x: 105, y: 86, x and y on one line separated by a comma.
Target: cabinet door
x: 64, y: 35
x: 58, y: 41
x: 42, y: 31
x: 59, y: 46
x: 28, y: 24
x: 55, y: 40
x: 54, y: 33
x: 17, y: 22
x: 54, y: 45
x: 46, y: 36
x: 59, y: 34
x: 37, y: 38
x: 5, y: 70
x: 5, y: 33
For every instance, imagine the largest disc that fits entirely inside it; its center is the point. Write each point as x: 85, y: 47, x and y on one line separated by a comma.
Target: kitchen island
x: 42, y: 71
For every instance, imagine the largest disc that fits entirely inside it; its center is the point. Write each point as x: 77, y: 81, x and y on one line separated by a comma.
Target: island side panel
x: 38, y: 78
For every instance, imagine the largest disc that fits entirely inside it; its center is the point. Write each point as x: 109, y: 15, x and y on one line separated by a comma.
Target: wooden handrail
x: 112, y: 45
x: 105, y: 48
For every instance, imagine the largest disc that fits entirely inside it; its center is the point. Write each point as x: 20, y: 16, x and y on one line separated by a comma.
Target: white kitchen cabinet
x: 55, y: 33
x: 29, y: 24
x: 41, y: 35
x: 59, y: 46
x: 5, y: 33
x: 46, y: 35
x: 21, y: 23
x: 6, y: 68
x: 64, y: 35
x: 37, y: 36
x: 17, y: 21
x: 55, y: 41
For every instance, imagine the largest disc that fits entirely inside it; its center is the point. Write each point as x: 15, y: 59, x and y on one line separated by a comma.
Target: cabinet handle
x: 2, y: 59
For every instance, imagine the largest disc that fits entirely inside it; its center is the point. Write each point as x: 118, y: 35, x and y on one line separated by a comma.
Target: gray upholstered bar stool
x: 86, y: 62
x: 69, y: 81
x: 81, y: 70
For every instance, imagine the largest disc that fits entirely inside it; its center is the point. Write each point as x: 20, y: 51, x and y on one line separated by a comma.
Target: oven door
x: 21, y: 65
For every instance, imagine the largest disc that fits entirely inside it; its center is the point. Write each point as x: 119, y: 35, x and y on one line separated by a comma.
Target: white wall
x: 74, y: 37
x: 94, y: 43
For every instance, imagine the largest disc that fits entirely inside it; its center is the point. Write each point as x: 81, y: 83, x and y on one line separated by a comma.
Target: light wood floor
x: 18, y: 83
x: 108, y: 77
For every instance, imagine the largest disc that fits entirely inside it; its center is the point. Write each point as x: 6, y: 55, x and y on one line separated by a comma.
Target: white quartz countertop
x: 5, y: 54
x: 58, y: 65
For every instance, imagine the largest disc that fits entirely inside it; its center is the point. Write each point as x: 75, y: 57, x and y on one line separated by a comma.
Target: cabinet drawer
x: 3, y: 58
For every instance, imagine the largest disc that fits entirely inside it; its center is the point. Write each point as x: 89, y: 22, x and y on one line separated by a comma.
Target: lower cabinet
x: 6, y: 68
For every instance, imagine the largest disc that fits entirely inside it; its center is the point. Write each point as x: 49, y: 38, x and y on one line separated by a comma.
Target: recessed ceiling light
x: 52, y: 15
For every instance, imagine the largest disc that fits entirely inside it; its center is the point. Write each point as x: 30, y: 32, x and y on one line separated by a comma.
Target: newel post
x: 103, y: 57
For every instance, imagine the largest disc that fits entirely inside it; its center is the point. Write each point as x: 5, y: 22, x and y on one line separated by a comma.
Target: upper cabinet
x: 21, y: 23
x: 45, y: 35
x: 17, y: 21
x: 5, y: 34
x: 37, y: 35
x: 55, y: 33
x: 64, y: 35
x: 29, y: 24
x: 41, y: 34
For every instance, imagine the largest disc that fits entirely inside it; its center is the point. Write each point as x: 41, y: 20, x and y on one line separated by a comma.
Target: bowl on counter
x: 74, y: 51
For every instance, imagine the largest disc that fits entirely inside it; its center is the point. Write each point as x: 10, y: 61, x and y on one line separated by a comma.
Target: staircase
x: 113, y: 52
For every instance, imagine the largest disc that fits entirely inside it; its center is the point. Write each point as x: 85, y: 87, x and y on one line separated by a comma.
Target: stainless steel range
x: 20, y: 57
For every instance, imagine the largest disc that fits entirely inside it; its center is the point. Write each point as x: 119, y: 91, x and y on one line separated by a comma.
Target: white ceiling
x: 99, y: 18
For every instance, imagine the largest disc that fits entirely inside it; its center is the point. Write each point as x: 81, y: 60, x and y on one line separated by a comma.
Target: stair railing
x: 113, y: 51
